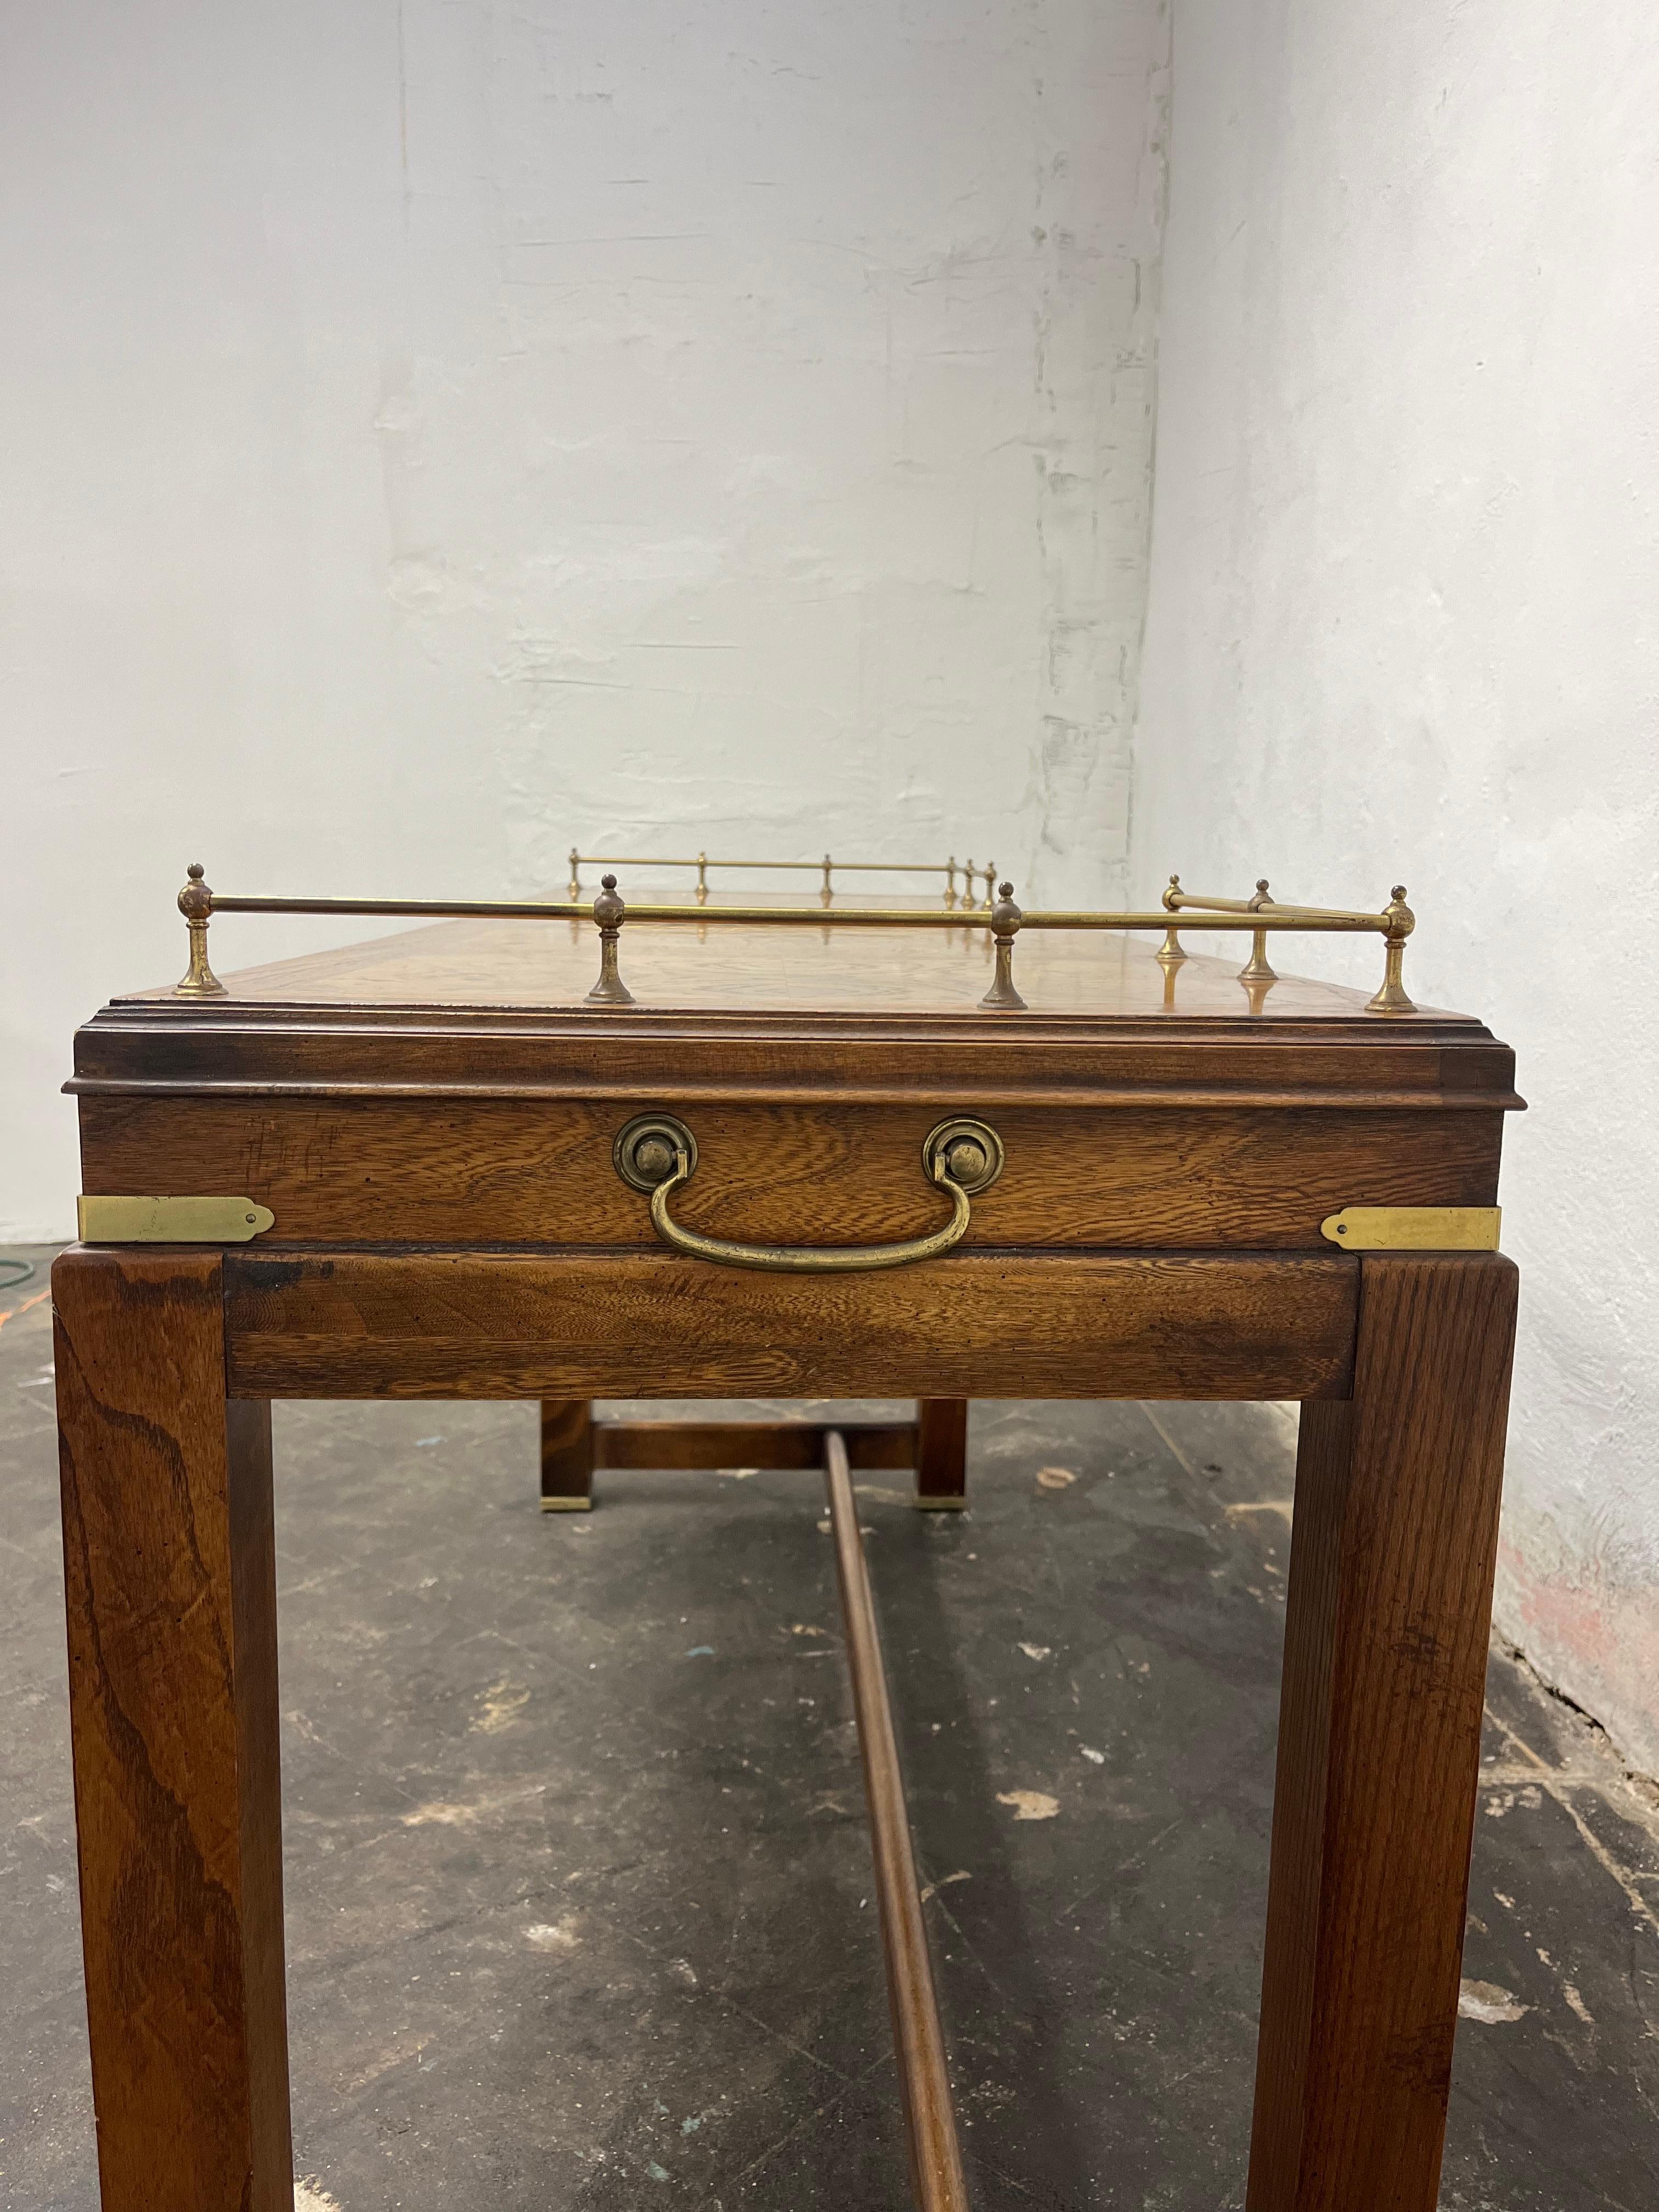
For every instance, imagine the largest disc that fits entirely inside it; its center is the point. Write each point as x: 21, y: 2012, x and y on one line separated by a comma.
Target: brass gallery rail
x: 1261, y: 915
x: 970, y: 870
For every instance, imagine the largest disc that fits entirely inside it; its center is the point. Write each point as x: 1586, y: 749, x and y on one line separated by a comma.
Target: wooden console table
x: 457, y: 1167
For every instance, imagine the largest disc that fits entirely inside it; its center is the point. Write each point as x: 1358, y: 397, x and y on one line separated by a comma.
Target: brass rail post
x: 196, y: 904
x: 1005, y: 918
x: 1258, y: 968
x: 608, y: 913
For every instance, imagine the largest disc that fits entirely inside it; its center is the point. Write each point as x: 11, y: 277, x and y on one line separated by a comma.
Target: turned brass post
x: 196, y: 904
x: 608, y: 912
x: 1005, y: 919
x: 826, y: 894
x: 1257, y: 968
x: 1172, y: 950
x: 950, y: 881
x: 575, y: 873
x: 702, y: 879
x: 1391, y: 998
x: 990, y: 881
x: 969, y: 871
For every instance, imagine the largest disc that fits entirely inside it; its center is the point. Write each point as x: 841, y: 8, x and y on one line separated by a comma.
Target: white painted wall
x: 1403, y: 624
x: 437, y: 433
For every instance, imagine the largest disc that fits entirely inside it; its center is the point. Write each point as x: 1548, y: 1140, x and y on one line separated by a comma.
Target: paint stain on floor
x: 500, y: 1706
x: 1486, y: 2001
x: 1030, y: 1804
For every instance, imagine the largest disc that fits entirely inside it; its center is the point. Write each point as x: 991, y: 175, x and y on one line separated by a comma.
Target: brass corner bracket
x: 104, y: 1220
x: 1414, y: 1228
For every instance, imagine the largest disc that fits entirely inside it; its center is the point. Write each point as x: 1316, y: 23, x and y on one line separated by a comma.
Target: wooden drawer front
x: 529, y: 1172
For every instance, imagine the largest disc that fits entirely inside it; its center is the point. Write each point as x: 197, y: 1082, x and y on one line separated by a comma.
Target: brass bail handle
x: 657, y: 1153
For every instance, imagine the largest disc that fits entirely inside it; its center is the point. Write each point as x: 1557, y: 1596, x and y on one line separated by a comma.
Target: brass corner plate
x: 171, y: 1220
x: 1414, y: 1228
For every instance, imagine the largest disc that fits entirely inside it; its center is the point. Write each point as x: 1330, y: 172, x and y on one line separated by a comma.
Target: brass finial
x: 969, y: 871
x: 196, y: 904
x: 608, y: 912
x: 702, y: 879
x: 1391, y: 998
x: 1005, y: 918
x: 950, y: 881
x: 1258, y: 968
x: 1171, y: 951
x: 575, y: 873
x: 990, y: 880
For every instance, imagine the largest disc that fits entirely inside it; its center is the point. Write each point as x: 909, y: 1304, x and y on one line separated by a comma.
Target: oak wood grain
x: 493, y: 1171
x: 942, y: 1450
x: 574, y: 1446
x: 1389, y: 1602
x: 163, y: 1050
x: 171, y: 1601
x: 574, y: 1325
x: 568, y: 1461
x: 230, y: 1048
x: 792, y: 1444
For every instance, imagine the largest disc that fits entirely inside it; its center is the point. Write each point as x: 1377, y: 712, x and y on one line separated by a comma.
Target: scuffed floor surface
x: 580, y: 1912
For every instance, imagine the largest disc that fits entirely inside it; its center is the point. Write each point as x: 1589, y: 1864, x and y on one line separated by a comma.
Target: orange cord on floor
x: 15, y: 1311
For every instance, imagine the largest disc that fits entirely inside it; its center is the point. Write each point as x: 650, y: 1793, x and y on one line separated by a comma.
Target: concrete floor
x: 579, y: 1904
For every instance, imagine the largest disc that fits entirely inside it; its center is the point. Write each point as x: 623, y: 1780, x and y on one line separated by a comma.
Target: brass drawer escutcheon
x: 657, y: 1153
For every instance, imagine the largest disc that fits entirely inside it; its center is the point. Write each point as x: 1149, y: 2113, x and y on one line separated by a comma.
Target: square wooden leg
x: 567, y: 1456
x: 941, y: 1452
x: 1388, y: 1608
x: 170, y: 1592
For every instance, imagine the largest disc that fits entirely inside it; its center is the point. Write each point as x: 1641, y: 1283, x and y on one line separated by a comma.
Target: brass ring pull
x: 656, y: 1152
